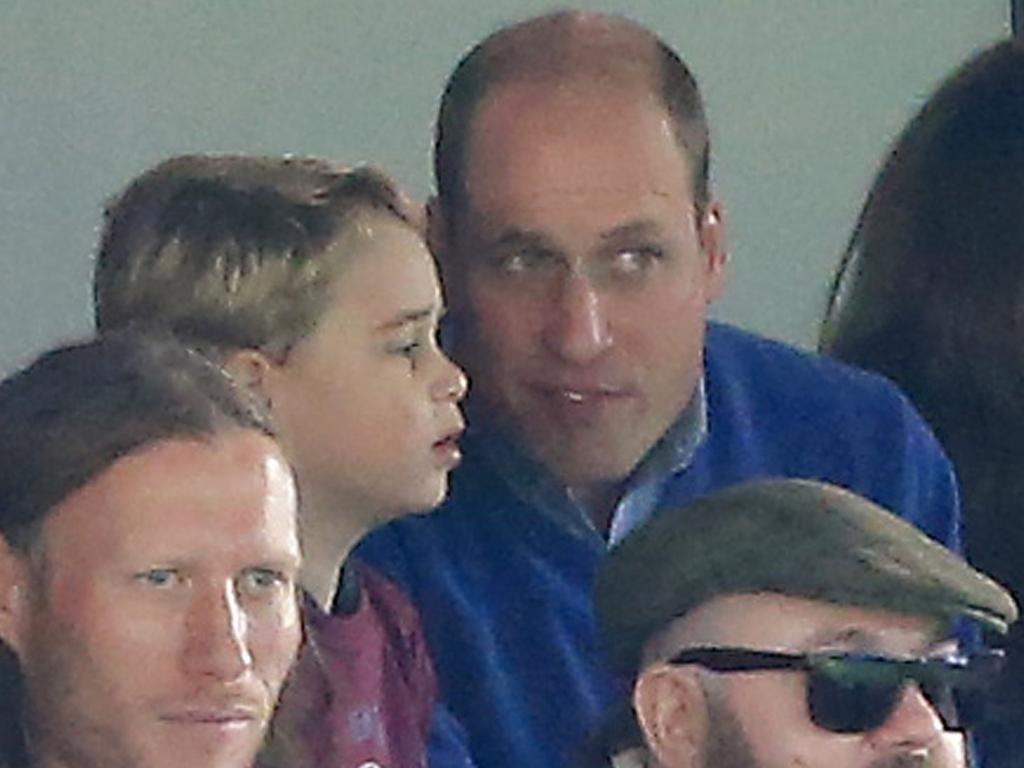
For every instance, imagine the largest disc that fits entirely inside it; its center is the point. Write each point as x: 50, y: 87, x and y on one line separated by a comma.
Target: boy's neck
x: 327, y: 534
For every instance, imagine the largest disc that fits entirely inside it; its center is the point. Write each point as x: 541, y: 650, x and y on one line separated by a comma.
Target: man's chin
x: 204, y: 751
x: 598, y: 461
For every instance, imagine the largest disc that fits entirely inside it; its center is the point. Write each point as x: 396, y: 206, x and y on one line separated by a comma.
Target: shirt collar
x: 538, y: 488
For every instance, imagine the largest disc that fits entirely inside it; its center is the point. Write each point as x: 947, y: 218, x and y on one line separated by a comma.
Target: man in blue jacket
x: 580, y: 246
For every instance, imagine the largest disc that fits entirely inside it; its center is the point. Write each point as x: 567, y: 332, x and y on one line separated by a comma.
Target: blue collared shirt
x: 536, y: 486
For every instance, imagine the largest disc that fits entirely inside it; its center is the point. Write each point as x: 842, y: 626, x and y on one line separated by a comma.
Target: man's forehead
x: 535, y: 150
x: 171, y: 490
x: 532, y: 105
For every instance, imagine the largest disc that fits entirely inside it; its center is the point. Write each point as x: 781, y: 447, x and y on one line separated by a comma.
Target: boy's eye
x: 409, y: 348
x: 420, y: 339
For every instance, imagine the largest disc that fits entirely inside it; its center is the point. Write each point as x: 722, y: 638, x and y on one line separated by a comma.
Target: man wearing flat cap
x: 790, y: 622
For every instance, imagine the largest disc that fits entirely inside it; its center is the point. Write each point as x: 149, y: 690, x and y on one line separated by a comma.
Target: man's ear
x: 672, y: 712
x: 14, y: 586
x: 253, y: 370
x: 711, y: 229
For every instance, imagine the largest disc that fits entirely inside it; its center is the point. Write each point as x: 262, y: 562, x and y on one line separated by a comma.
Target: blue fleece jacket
x: 504, y: 590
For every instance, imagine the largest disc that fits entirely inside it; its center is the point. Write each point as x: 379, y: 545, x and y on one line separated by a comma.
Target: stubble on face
x: 573, y: 168
x: 54, y: 713
x: 727, y: 745
x: 100, y: 660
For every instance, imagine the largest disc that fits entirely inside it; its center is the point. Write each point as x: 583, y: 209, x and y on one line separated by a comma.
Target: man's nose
x: 578, y: 330
x: 217, y: 635
x: 913, y: 724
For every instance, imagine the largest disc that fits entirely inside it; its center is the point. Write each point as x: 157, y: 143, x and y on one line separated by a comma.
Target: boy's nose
x: 451, y: 384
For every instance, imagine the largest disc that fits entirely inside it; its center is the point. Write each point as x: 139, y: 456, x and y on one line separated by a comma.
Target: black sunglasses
x: 855, y: 693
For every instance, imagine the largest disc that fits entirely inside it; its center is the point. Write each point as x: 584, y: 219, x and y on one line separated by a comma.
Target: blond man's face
x: 160, y: 618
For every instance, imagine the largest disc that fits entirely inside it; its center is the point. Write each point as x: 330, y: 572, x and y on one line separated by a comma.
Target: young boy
x: 314, y: 286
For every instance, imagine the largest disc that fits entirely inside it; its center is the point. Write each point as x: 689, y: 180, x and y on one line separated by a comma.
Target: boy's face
x: 367, y: 405
x: 161, y: 615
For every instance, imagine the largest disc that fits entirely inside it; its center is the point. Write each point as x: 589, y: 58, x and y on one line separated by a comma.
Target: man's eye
x: 523, y: 262
x: 159, y: 577
x: 262, y: 579
x: 631, y: 261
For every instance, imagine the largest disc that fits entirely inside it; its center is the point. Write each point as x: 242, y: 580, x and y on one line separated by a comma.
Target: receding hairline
x: 569, y: 43
x: 565, y: 47
x: 555, y: 49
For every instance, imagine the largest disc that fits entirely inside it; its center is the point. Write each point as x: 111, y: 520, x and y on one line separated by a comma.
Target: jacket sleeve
x: 447, y: 746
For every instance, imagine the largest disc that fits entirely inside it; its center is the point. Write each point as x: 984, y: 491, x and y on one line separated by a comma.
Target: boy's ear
x: 14, y: 586
x: 672, y: 712
x: 252, y: 369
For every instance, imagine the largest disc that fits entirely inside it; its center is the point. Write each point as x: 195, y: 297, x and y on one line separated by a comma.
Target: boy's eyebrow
x: 411, y: 316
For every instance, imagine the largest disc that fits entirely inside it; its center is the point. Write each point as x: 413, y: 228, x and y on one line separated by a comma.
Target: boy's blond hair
x: 227, y: 251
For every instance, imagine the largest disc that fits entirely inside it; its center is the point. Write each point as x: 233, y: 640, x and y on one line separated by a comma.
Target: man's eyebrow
x: 637, y: 228
x: 861, y: 640
x: 282, y: 562
x: 847, y: 637
x: 520, y: 238
x: 411, y: 317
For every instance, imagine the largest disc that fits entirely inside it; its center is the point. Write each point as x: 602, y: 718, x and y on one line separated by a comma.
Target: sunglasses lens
x: 850, y: 706
x: 851, y: 695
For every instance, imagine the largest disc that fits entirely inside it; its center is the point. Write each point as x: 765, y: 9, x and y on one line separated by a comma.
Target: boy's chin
x: 431, y: 496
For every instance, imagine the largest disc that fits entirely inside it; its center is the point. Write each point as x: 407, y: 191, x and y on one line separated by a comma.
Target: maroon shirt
x: 363, y: 689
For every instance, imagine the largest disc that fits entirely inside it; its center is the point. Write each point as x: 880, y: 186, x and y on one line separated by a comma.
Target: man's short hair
x: 78, y: 409
x: 557, y: 46
x: 227, y: 251
x: 69, y: 416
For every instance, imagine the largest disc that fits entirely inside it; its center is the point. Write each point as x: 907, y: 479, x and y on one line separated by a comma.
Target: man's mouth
x: 229, y: 718
x: 580, y: 395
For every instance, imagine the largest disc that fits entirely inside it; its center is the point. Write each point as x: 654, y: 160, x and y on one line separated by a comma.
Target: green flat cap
x: 794, y: 537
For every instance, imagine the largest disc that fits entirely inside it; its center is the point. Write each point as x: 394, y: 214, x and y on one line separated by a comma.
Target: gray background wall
x: 803, y: 95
